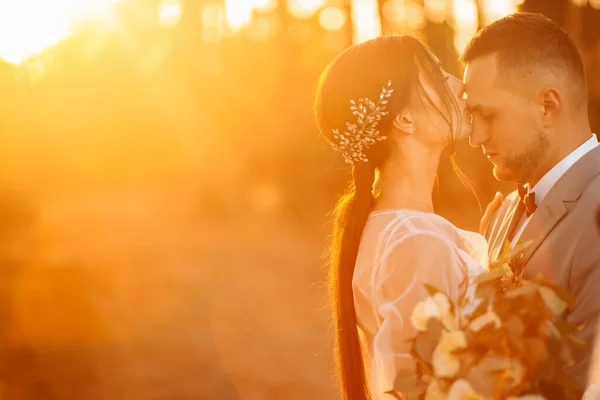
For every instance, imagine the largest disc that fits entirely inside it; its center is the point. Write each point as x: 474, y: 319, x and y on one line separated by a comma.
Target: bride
x: 390, y: 109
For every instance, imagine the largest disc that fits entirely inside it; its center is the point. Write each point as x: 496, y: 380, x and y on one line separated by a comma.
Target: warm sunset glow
x: 27, y: 27
x: 365, y: 20
x: 304, y: 8
x: 436, y: 10
x: 332, y: 18
x: 394, y: 14
x: 213, y: 15
x: 213, y: 22
x: 265, y: 6
x: 262, y: 28
x: 415, y: 16
x: 595, y: 4
x: 170, y: 12
x: 466, y: 17
x: 466, y: 21
x: 494, y: 9
x: 393, y: 11
x: 238, y: 13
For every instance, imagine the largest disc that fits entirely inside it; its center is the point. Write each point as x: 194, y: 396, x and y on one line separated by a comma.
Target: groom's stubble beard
x: 524, y: 165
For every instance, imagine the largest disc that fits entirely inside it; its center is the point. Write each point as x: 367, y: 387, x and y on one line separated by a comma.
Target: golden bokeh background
x: 165, y: 194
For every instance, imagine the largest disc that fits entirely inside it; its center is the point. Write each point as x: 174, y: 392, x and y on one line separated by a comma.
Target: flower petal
x: 445, y: 363
x: 552, y: 301
x: 434, y: 392
x: 462, y: 390
x: 488, y: 318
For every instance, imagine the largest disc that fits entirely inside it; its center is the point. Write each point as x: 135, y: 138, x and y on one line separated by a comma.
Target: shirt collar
x: 542, y: 188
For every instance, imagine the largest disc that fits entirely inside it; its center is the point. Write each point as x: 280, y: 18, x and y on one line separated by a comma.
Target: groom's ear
x: 551, y: 103
x: 404, y: 122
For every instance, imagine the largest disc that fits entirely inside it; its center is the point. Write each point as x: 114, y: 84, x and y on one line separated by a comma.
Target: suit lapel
x: 543, y: 220
x: 552, y: 209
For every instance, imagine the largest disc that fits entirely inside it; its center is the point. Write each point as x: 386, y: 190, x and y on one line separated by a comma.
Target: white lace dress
x: 400, y: 251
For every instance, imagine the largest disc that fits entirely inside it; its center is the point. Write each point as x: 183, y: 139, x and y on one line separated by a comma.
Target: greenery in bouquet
x: 503, y: 338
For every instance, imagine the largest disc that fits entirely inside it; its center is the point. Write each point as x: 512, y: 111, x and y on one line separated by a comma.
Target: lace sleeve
x: 406, y: 264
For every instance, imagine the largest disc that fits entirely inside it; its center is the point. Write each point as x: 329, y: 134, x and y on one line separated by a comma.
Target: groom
x: 526, y: 89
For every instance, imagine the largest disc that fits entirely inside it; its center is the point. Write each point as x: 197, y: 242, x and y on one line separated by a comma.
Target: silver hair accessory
x: 364, y: 133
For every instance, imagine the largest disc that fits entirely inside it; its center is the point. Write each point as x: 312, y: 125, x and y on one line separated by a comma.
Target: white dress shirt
x: 542, y: 188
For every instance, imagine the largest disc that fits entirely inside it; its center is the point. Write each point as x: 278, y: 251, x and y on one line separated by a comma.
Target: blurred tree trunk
x: 384, y: 23
x: 553, y: 9
x: 349, y: 27
x: 480, y: 12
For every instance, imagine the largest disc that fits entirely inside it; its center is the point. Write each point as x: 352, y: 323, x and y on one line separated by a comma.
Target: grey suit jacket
x: 566, y: 245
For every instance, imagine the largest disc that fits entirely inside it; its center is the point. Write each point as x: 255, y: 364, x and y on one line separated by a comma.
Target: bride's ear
x: 404, y: 122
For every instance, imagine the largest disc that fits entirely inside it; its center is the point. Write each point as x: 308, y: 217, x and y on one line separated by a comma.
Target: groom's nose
x: 478, y: 137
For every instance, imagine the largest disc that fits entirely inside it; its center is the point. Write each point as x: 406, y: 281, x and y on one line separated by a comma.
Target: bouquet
x: 506, y: 340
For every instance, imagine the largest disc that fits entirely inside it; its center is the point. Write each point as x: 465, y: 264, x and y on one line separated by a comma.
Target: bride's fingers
x: 489, y: 211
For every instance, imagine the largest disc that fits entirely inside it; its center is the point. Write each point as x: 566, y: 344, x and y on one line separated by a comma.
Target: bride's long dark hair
x: 358, y: 72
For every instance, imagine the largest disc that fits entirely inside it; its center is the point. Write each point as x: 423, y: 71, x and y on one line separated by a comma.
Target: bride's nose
x: 457, y: 85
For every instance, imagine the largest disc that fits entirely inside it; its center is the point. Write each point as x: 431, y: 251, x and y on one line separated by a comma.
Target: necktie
x: 528, y: 198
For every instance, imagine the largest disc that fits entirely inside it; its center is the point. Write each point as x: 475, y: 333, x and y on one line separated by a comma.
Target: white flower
x: 550, y: 329
x: 445, y: 363
x: 462, y: 390
x: 436, y: 306
x: 592, y: 392
x: 434, y: 392
x: 485, y: 319
x: 514, y: 373
x: 552, y: 301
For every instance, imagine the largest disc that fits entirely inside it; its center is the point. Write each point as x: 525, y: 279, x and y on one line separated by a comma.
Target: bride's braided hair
x: 360, y: 72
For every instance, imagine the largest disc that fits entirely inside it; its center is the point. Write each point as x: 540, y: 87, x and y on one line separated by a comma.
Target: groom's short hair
x: 530, y: 43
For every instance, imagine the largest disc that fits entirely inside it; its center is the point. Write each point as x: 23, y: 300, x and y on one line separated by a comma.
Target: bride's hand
x: 489, y: 211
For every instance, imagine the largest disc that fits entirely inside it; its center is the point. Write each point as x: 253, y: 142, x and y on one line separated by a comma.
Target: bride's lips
x: 491, y: 156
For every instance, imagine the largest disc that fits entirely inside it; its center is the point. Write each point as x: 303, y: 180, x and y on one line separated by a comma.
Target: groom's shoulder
x: 590, y: 195
x: 594, y: 186
x: 582, y: 214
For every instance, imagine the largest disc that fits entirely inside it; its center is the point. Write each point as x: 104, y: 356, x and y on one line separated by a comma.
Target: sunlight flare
x: 304, y: 8
x: 366, y: 20
x: 436, y: 10
x: 238, y: 13
x: 170, y: 12
x: 332, y: 19
x: 28, y: 27
x: 466, y: 22
x: 265, y: 6
x: 496, y: 9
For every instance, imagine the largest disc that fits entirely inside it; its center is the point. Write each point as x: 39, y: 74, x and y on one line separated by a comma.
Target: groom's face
x: 505, y: 121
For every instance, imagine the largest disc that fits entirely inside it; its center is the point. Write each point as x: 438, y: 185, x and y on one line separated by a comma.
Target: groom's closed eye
x: 486, y: 115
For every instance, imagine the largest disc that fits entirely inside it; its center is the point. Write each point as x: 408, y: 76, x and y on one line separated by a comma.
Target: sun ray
x: 27, y: 27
